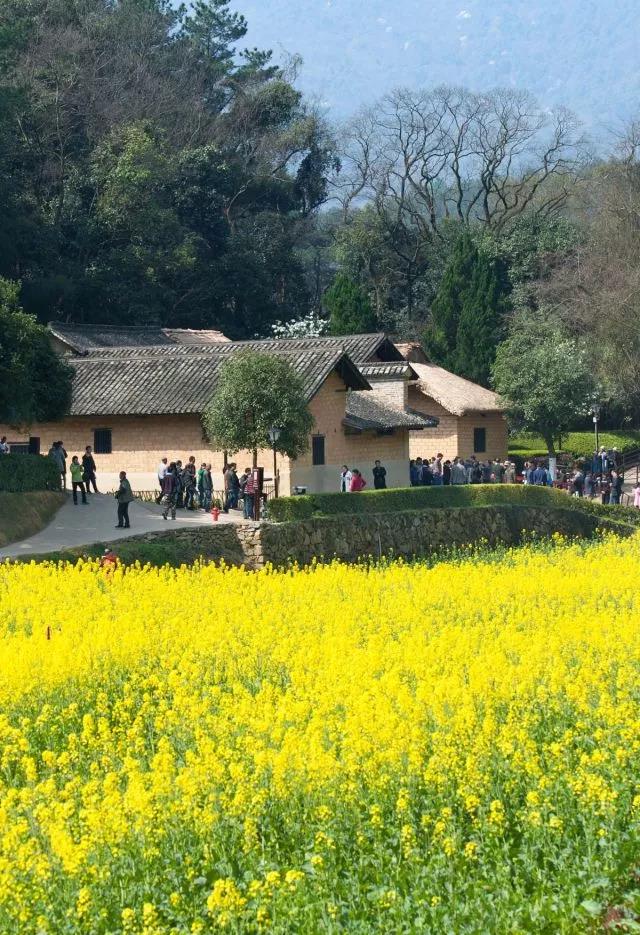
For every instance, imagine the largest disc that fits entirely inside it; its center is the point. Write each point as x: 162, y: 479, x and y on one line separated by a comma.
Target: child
x: 636, y: 495
x: 76, y: 480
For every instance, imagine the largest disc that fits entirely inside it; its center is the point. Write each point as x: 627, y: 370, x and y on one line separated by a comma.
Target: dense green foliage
x: 150, y: 171
x: 256, y: 392
x: 21, y: 473
x: 349, y: 308
x: 35, y: 384
x: 467, y: 314
x: 579, y: 444
x: 544, y: 376
x: 411, y: 498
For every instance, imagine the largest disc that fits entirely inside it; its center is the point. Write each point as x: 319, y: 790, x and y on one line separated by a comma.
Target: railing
x: 631, y: 462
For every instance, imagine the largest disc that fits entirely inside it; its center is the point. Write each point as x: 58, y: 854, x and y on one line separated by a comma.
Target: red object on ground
x: 215, y: 513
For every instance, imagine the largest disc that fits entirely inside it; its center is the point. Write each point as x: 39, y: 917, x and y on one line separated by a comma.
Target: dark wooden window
x: 102, y: 441
x: 479, y: 441
x: 19, y: 448
x: 317, y: 449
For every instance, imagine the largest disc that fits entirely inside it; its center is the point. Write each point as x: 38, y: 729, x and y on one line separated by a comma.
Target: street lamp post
x: 274, y: 435
x: 595, y: 412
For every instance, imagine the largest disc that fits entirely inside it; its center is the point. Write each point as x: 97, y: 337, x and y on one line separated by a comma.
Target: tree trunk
x: 551, y: 448
x: 255, y: 457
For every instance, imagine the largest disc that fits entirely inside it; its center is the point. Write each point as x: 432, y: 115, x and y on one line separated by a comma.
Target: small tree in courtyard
x: 255, y: 392
x: 35, y: 383
x: 544, y: 376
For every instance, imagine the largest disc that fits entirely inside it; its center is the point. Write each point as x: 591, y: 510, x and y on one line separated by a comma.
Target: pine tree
x: 441, y: 337
x: 349, y: 308
x: 480, y: 323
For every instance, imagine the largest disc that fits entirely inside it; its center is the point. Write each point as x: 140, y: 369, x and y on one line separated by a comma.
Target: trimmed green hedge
x: 397, y: 500
x: 20, y: 473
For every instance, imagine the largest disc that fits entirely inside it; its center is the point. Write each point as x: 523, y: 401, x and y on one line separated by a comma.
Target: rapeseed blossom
x: 332, y: 749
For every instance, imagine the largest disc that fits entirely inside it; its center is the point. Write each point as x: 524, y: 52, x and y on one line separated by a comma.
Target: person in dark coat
x: 89, y: 470
x: 170, y: 491
x: 379, y: 476
x: 124, y: 496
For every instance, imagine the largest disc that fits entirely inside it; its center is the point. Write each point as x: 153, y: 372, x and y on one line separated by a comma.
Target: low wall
x: 392, y: 534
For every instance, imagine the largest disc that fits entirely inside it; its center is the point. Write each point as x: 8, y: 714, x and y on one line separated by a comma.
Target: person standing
x: 202, y: 470
x: 179, y: 485
x: 458, y: 472
x: 446, y: 473
x: 379, y: 476
x: 170, y: 491
x: 77, y: 481
x: 89, y: 470
x: 4, y: 446
x: 636, y: 495
x: 345, y: 479
x: 189, y: 485
x: 162, y: 470
x: 124, y: 496
x: 616, y: 488
x: 358, y: 482
x: 249, y: 496
x: 234, y: 488
x: 426, y: 475
x: 59, y: 456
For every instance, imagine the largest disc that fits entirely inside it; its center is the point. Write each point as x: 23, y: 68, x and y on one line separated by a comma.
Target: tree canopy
x: 349, y: 308
x: 256, y: 392
x: 544, y: 375
x: 467, y: 314
x: 151, y: 170
x: 35, y: 384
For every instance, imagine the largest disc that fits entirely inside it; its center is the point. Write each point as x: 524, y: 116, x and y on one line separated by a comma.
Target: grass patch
x: 159, y: 552
x: 24, y: 514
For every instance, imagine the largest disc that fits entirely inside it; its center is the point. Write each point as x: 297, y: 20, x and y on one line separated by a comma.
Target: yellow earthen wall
x: 454, y: 435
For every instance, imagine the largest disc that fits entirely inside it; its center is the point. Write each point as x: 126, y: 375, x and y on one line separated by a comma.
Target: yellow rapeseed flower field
x: 356, y: 749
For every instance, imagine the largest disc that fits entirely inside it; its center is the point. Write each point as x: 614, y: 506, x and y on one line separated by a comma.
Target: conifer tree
x: 480, y: 323
x: 349, y: 308
x: 440, y: 339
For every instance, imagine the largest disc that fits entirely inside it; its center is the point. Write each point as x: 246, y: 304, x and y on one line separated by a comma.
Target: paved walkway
x: 84, y: 525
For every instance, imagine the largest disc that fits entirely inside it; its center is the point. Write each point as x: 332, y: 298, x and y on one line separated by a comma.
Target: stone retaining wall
x: 406, y: 535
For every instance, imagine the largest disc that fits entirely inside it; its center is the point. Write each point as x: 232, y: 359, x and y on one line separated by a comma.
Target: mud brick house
x: 139, y: 394
x: 471, y: 419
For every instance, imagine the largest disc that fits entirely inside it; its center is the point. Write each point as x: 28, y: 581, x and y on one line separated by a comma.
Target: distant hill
x: 581, y: 53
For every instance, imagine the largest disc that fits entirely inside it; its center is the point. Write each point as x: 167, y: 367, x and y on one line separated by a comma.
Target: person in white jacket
x: 345, y: 479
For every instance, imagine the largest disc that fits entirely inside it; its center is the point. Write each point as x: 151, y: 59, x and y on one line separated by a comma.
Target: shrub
x: 411, y: 498
x: 19, y: 473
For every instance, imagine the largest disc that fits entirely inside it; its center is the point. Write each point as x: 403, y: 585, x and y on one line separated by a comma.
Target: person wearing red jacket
x: 357, y: 481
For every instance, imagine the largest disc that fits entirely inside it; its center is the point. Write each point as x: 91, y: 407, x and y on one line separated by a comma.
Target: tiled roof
x: 366, y: 411
x: 393, y: 369
x: 83, y: 338
x: 182, y: 379
x: 86, y: 338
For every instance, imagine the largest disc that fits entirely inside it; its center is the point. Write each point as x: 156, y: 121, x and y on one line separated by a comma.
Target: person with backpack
x: 77, y: 482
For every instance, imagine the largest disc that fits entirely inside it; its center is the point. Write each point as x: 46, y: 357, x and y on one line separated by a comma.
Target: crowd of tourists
x: 439, y: 471
x: 191, y: 488
x: 600, y: 477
